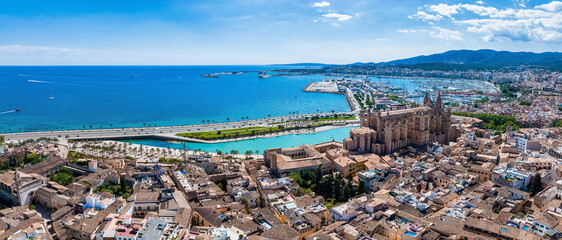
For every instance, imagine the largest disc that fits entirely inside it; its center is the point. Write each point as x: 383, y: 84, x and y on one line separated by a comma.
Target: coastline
x: 165, y: 133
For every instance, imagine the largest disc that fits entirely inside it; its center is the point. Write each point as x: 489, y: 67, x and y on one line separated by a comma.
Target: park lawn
x: 338, y: 118
x: 237, y: 132
x: 240, y: 132
x: 324, y: 119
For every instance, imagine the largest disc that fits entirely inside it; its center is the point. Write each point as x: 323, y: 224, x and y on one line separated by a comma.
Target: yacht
x: 51, y: 97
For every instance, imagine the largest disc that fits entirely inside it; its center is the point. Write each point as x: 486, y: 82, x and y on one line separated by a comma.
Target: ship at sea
x: 51, y: 97
x: 263, y: 74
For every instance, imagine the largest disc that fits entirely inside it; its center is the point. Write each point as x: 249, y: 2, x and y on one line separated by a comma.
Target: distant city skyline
x: 218, y: 32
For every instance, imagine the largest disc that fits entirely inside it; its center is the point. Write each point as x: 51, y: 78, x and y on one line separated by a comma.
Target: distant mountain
x: 302, y: 64
x: 483, y: 58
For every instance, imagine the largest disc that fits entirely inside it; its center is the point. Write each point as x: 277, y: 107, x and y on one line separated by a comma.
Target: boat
x: 263, y: 74
x: 210, y: 76
x: 51, y: 97
x: 17, y: 110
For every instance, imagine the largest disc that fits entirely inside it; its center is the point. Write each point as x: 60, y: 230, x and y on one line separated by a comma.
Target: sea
x: 83, y: 97
x: 135, y: 96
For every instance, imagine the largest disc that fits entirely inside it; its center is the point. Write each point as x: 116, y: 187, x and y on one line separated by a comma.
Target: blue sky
x: 198, y: 32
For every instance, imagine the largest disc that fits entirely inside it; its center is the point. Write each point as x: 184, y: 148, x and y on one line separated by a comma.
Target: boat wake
x: 38, y: 81
x: 11, y: 111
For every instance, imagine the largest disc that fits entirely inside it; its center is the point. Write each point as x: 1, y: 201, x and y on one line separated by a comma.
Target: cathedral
x: 383, y: 132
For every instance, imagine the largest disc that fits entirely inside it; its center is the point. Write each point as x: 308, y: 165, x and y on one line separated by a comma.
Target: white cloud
x: 539, y: 23
x: 321, y: 4
x: 446, y: 34
x: 426, y: 17
x: 552, y: 6
x: 409, y: 30
x: 480, y: 2
x: 521, y: 3
x: 337, y: 16
x: 44, y: 50
x: 444, y: 9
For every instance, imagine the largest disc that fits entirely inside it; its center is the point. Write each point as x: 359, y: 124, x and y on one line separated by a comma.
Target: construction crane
x: 184, y: 157
x: 158, y: 170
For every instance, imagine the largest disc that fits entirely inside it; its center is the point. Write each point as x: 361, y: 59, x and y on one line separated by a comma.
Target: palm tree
x: 248, y: 153
x: 227, y: 119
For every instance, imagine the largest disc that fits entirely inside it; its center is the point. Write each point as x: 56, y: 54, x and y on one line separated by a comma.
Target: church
x: 383, y: 132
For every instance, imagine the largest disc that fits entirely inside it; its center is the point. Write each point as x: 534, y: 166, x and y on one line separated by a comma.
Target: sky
x: 240, y: 32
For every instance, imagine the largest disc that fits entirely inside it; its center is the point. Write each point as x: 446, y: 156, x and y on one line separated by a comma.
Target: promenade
x: 165, y: 132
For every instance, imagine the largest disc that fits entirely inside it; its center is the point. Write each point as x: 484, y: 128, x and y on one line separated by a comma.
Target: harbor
x: 382, y: 92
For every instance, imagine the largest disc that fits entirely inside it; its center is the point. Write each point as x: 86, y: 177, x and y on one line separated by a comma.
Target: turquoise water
x: 132, y: 96
x: 411, y: 233
x: 525, y: 227
x: 259, y: 144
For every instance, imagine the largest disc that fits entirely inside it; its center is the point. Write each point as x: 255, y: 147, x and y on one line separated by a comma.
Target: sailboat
x: 51, y: 97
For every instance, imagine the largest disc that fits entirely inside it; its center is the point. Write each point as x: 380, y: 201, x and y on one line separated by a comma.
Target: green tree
x: 361, y: 189
x: 337, y: 189
x: 318, y: 175
x: 33, y: 158
x: 525, y: 103
x: 123, y: 185
x: 300, y: 192
x: 2, y: 139
x: 248, y: 153
x: 536, y: 185
x: 246, y: 204
x: 346, y: 193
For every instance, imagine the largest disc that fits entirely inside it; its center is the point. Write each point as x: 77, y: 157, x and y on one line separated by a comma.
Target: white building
x: 17, y: 188
x: 511, y: 177
x: 98, y: 202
